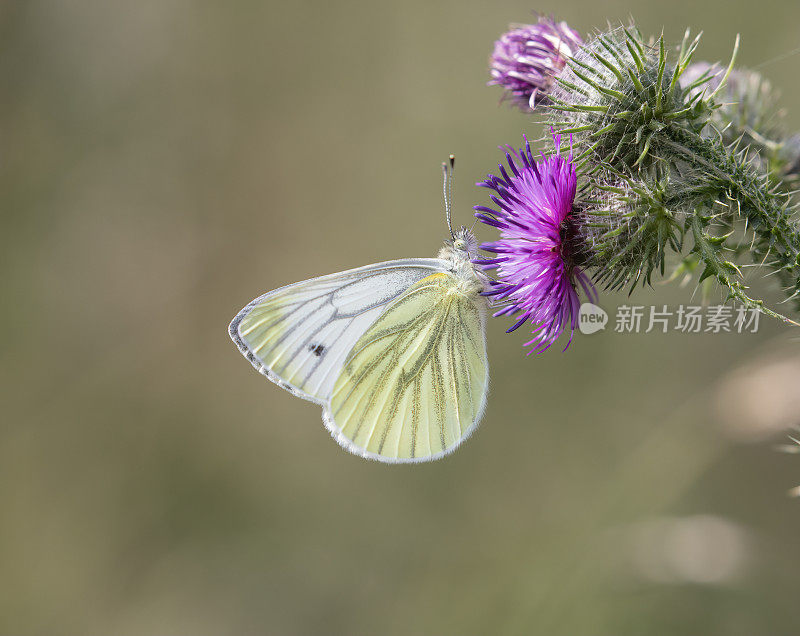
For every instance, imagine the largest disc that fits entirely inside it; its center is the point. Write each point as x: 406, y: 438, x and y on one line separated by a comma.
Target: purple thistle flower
x: 536, y: 275
x: 527, y: 58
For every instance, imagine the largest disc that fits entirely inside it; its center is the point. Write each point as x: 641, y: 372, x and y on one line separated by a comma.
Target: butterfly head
x: 461, y: 250
x: 464, y: 243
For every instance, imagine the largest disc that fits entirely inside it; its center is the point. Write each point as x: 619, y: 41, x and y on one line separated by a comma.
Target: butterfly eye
x: 460, y: 244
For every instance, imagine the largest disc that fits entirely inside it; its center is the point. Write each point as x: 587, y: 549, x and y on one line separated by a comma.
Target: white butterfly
x: 395, y: 353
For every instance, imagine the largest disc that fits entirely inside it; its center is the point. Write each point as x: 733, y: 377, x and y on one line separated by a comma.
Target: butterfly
x: 395, y: 352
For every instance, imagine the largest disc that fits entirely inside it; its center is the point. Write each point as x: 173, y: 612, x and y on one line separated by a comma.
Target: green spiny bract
x: 618, y: 93
x: 625, y: 228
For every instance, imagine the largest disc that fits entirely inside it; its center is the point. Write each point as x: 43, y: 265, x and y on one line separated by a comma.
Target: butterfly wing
x: 414, y: 385
x: 298, y: 336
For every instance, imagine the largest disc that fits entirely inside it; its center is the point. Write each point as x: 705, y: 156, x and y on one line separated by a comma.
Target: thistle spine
x: 709, y: 249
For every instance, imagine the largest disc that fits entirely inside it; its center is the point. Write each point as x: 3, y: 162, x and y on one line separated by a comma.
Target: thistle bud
x: 618, y: 92
x: 528, y: 57
x: 625, y: 228
x: 746, y: 117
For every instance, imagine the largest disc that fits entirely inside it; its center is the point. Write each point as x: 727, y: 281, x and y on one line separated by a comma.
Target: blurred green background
x: 162, y: 163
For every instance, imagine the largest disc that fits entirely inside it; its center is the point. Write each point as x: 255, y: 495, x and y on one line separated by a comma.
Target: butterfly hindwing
x: 414, y: 385
x: 299, y: 335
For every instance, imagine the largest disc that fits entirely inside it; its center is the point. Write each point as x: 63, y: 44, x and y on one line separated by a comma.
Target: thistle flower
x: 528, y: 57
x: 536, y: 273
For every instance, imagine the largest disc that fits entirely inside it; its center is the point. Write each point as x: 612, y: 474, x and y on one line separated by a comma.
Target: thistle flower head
x: 537, y: 277
x: 528, y: 57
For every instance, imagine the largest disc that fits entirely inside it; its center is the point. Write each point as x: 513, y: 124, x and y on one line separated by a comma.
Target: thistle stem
x: 766, y: 211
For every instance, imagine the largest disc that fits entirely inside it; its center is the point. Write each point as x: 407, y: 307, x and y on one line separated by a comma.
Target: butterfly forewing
x: 414, y: 385
x: 300, y: 335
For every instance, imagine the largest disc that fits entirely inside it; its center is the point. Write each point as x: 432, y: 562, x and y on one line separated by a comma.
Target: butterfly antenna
x: 447, y: 192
